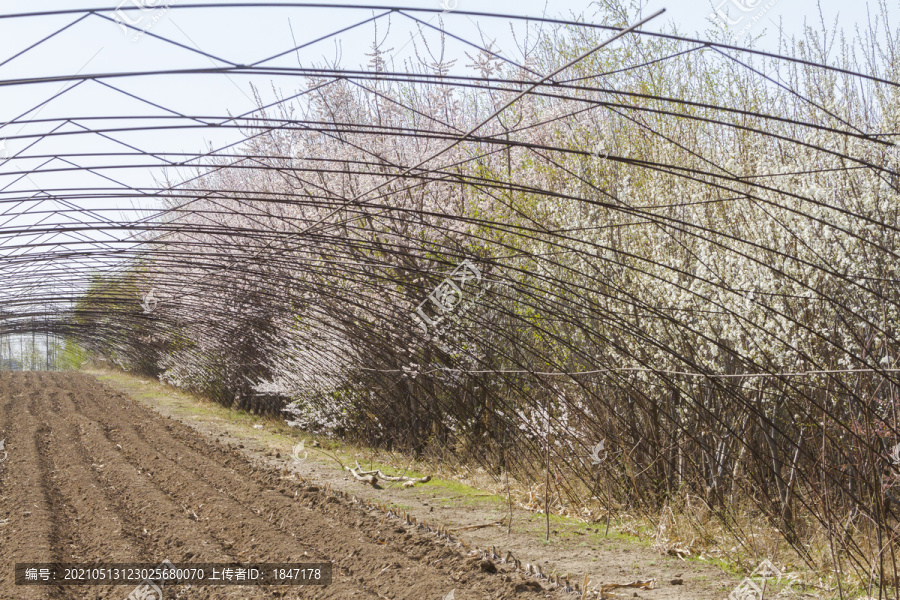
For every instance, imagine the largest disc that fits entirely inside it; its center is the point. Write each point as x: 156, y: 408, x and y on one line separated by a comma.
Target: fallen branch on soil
x: 403, y: 478
x: 379, y: 475
x: 369, y: 477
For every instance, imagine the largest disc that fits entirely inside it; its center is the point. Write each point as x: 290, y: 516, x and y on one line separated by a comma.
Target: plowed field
x: 93, y: 477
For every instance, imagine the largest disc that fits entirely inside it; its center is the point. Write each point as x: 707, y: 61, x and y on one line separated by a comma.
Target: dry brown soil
x: 92, y: 476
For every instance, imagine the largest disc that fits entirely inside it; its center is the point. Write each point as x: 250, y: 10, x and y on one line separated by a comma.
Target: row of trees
x: 685, y: 251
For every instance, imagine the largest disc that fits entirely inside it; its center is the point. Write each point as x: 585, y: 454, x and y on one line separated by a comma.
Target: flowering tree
x: 685, y: 252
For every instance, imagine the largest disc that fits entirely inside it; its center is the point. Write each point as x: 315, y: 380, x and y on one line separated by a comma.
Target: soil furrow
x: 228, y: 490
x: 26, y: 506
x: 110, y: 481
x: 151, y: 514
x: 377, y: 539
x: 78, y: 469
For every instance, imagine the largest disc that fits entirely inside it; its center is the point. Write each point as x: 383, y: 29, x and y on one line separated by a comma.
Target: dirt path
x: 92, y: 476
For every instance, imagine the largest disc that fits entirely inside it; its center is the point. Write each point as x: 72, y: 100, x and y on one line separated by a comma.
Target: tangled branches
x: 682, y: 250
